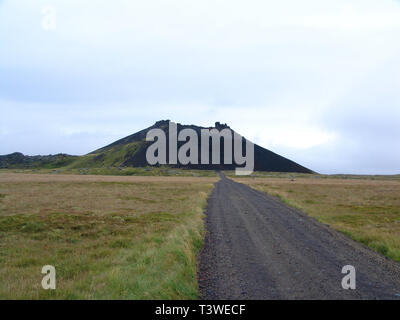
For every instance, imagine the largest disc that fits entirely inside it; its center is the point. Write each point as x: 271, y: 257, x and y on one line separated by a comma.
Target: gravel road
x: 258, y: 248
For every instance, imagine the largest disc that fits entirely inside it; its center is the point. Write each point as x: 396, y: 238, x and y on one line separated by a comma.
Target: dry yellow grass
x: 367, y: 210
x: 108, y: 237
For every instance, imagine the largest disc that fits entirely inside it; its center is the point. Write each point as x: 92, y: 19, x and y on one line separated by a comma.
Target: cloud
x: 315, y: 81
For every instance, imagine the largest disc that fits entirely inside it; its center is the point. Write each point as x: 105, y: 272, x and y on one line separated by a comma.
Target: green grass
x: 107, y: 240
x: 119, y: 171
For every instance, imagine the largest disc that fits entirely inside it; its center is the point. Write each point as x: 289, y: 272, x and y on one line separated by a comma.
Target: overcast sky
x: 317, y: 81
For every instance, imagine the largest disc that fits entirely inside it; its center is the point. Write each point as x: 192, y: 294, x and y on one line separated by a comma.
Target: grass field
x: 367, y: 208
x: 137, y: 237
x: 118, y: 171
x: 108, y: 237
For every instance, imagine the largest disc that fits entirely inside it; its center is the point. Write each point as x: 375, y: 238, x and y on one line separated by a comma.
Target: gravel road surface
x: 259, y: 248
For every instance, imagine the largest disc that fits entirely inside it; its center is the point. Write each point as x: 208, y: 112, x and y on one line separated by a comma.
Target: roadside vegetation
x: 107, y: 237
x: 295, y: 175
x: 118, y: 171
x: 366, y: 208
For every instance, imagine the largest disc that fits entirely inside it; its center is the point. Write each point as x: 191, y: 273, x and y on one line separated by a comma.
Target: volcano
x: 131, y: 152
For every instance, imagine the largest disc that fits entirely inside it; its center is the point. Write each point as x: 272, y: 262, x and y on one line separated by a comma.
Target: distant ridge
x: 131, y: 152
x: 18, y: 160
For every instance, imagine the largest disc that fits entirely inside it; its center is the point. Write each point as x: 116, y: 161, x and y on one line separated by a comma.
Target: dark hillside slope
x: 131, y: 152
